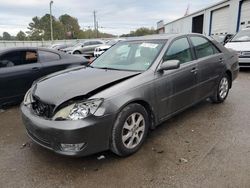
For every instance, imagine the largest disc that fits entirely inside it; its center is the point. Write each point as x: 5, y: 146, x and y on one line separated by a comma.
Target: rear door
x: 18, y: 70
x: 176, y: 89
x: 86, y: 48
x: 210, y: 64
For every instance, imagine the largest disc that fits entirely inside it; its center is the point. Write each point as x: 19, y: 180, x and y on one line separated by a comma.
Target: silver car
x: 87, y: 48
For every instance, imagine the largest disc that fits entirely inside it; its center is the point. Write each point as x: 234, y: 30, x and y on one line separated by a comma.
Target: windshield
x: 242, y: 36
x: 134, y: 56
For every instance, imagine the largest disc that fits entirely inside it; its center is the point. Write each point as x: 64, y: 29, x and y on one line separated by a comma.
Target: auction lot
x: 206, y: 146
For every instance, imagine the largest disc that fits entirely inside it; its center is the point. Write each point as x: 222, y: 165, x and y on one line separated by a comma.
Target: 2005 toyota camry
x: 131, y: 88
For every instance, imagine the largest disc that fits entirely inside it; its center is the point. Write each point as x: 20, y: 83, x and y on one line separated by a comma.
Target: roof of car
x: 2, y: 50
x: 160, y: 36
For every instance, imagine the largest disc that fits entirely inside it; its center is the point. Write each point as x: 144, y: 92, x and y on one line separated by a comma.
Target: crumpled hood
x: 238, y: 46
x: 65, y: 85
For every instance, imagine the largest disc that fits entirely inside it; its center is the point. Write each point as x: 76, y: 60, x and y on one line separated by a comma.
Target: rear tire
x: 76, y: 52
x: 130, y: 130
x: 222, y: 90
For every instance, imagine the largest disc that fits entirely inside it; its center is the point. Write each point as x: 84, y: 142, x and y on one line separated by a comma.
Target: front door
x: 176, y: 89
x: 18, y: 70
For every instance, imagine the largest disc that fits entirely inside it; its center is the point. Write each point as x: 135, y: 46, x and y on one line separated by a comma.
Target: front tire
x: 77, y: 52
x: 222, y: 90
x: 130, y: 130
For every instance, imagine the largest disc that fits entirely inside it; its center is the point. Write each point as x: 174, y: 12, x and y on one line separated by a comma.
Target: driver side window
x: 179, y: 50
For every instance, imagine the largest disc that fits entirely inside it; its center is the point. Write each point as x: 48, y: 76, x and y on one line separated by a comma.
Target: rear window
x: 16, y: 58
x: 45, y: 56
x: 203, y: 47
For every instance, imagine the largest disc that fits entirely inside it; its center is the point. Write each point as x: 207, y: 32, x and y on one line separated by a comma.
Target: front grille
x: 42, y: 109
x: 244, y: 64
x: 244, y: 55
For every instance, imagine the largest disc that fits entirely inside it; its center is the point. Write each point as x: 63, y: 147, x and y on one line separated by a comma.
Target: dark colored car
x: 134, y: 86
x: 19, y: 67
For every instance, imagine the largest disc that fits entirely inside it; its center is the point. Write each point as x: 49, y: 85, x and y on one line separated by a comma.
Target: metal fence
x: 6, y: 44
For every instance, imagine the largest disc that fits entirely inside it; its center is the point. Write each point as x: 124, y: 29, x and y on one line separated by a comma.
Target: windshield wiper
x: 89, y: 65
x: 106, y: 68
x: 239, y: 41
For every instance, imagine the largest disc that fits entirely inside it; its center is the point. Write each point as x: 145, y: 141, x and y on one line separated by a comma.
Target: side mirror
x: 82, y: 46
x: 169, y: 65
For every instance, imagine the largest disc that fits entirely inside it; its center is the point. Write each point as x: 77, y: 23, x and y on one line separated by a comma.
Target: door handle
x: 35, y: 68
x: 221, y: 60
x: 194, y: 70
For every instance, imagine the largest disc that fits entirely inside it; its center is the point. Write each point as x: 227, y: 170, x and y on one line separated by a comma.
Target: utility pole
x: 97, y: 27
x: 51, y: 26
x: 95, y: 24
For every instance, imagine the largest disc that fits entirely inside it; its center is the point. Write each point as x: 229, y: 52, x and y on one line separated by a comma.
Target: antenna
x: 187, y: 10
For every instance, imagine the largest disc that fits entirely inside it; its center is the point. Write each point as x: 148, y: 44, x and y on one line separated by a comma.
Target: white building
x: 228, y: 16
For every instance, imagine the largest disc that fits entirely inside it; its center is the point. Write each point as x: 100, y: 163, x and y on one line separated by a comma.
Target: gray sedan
x: 133, y: 87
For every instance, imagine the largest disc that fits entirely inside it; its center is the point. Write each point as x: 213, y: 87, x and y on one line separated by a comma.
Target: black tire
x: 217, y: 97
x: 117, y: 143
x: 77, y: 52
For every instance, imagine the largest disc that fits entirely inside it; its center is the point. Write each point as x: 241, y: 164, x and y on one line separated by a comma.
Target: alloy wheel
x: 223, y: 88
x: 133, y: 130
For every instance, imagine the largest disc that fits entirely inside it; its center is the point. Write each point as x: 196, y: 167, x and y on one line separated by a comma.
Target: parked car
x: 19, y: 67
x: 71, y: 48
x: 100, y: 49
x: 134, y: 86
x: 241, y: 43
x: 61, y: 46
x: 87, y: 48
x: 223, y: 39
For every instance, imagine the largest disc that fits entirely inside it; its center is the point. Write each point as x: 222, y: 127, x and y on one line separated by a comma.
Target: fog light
x: 72, y: 147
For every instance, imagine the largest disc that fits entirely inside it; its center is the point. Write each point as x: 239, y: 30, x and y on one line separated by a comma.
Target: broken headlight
x: 27, y: 98
x: 79, y: 110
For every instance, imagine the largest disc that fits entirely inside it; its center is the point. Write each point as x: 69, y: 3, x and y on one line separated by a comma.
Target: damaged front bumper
x: 71, y: 138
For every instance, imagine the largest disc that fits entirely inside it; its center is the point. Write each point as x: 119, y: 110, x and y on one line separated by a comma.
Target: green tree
x: 6, y: 36
x: 21, y: 36
x: 70, y: 25
x: 40, y: 28
x: 140, y: 32
x: 89, y: 33
x: 65, y: 27
x: 35, y: 32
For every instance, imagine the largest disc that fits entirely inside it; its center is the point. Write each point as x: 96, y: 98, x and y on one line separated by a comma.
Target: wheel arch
x: 229, y: 73
x: 148, y: 108
x: 77, y: 51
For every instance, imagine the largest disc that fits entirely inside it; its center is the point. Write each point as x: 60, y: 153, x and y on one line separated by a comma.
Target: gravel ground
x: 205, y: 146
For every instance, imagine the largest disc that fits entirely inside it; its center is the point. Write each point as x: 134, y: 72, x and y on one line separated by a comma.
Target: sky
x: 114, y: 16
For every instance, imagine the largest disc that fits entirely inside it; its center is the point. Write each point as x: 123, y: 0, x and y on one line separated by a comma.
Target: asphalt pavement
x: 205, y: 146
